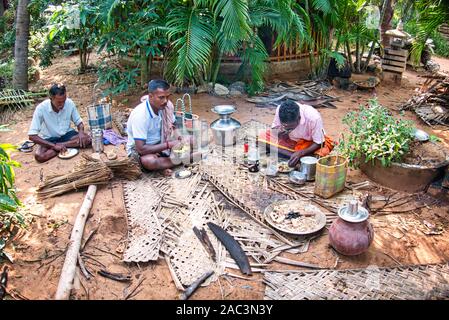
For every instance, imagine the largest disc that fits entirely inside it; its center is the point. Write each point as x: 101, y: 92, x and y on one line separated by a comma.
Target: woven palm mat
x: 259, y: 243
x: 253, y: 192
x: 144, y: 230
x: 410, y: 283
x: 169, y: 225
x: 161, y: 213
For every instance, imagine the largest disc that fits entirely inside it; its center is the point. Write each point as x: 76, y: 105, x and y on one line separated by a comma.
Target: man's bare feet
x: 167, y: 172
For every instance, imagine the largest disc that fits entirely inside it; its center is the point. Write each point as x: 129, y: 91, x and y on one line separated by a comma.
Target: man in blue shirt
x: 51, y: 126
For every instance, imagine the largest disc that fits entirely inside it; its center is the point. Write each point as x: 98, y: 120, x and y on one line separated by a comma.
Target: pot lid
x: 224, y: 109
x: 353, y: 212
x: 309, y: 160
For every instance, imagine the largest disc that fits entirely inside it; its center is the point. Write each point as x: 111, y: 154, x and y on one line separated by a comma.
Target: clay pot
x: 350, y: 238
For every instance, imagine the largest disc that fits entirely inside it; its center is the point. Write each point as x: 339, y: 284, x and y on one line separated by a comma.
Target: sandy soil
x: 38, y: 251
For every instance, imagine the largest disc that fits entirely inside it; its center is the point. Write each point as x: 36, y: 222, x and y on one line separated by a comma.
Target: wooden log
x: 402, y: 53
x: 69, y: 268
x: 395, y: 58
x: 400, y: 64
x: 393, y: 68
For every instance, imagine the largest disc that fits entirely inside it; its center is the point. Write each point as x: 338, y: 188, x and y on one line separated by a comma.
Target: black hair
x: 288, y: 111
x: 57, y: 89
x: 153, y: 85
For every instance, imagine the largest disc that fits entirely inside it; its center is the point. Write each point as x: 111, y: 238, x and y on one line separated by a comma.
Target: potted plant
x: 378, y: 144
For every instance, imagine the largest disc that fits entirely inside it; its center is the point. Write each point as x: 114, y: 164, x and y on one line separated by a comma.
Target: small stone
x: 235, y: 93
x: 221, y: 90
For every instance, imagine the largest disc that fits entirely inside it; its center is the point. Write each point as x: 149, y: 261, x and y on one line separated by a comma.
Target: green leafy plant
x: 85, y: 31
x: 10, y: 216
x: 375, y: 134
x: 433, y: 138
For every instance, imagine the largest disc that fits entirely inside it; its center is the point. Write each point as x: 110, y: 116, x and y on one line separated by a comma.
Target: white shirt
x: 144, y: 124
x: 50, y: 124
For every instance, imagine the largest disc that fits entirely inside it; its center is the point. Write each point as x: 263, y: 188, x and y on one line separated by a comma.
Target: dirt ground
x: 38, y: 252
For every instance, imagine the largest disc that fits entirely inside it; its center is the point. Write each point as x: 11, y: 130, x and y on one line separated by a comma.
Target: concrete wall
x: 229, y: 70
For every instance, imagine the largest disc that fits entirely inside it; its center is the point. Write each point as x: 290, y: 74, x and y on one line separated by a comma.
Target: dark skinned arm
x: 83, y: 137
x: 50, y: 145
x: 144, y: 149
x: 294, y: 159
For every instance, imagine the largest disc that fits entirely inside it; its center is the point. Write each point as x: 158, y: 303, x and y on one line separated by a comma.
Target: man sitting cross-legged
x: 297, y: 131
x: 51, y: 126
x: 150, y: 128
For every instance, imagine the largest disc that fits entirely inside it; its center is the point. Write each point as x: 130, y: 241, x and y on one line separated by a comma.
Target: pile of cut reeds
x: 86, y: 172
x: 127, y: 168
x: 97, y: 173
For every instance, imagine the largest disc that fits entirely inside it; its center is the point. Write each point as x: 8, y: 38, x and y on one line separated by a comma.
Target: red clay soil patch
x: 38, y: 250
x: 426, y: 154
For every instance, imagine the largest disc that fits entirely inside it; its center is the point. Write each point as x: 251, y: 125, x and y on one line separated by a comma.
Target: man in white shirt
x: 51, y: 125
x: 151, y: 129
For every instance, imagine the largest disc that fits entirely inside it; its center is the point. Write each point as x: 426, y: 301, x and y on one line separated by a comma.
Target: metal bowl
x: 297, y: 177
x: 224, y: 109
x: 421, y: 135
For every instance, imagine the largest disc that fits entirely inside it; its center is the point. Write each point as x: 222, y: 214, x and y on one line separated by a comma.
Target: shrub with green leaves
x: 375, y: 134
x: 9, y: 203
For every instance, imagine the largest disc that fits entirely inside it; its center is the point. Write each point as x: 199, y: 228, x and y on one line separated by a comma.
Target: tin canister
x: 97, y: 140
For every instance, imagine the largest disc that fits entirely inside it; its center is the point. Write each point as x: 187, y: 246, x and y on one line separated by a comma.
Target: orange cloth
x: 292, y: 146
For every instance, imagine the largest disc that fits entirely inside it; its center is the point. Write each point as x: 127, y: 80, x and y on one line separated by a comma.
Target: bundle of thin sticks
x: 86, y: 172
x: 126, y: 168
x: 97, y: 173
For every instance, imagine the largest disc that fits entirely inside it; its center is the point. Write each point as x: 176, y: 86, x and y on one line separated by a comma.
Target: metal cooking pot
x: 225, y: 128
x: 308, y: 167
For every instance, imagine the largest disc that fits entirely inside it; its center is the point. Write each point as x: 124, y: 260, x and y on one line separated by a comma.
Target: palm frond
x: 431, y: 14
x: 325, y: 6
x: 191, y: 38
x: 235, y: 18
x: 254, y: 61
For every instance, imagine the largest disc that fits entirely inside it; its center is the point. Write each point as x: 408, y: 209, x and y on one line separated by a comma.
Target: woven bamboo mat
x: 400, y: 283
x: 161, y: 213
x: 187, y: 258
x: 144, y: 230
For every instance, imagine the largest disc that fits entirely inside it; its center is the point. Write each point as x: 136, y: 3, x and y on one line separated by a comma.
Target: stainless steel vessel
x: 225, y: 128
x: 97, y: 140
x: 308, y: 167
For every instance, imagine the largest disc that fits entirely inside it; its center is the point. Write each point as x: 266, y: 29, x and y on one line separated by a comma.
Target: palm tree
x: 134, y: 27
x: 202, y: 31
x: 430, y: 15
x: 20, y: 78
x: 2, y: 8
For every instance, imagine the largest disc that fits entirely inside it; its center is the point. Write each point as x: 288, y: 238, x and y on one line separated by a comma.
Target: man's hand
x: 173, y: 143
x: 281, y: 134
x: 188, y: 140
x: 83, y: 139
x: 294, y: 159
x: 59, y: 148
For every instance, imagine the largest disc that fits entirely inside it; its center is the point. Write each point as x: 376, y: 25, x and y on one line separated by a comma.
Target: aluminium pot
x: 225, y: 128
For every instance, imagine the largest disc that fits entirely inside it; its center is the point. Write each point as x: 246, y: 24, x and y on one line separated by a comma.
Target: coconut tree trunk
x: 2, y: 8
x: 386, y: 21
x: 20, y: 78
x: 143, y: 68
